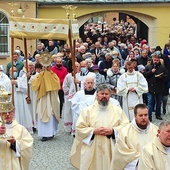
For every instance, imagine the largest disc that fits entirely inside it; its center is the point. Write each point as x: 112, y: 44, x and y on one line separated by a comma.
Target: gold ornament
x: 5, y: 101
x: 45, y: 59
x: 6, y: 106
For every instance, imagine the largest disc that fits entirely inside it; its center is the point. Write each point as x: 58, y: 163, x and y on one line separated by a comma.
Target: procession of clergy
x: 106, y: 136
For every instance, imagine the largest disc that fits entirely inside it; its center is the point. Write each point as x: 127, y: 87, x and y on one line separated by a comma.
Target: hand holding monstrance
x: 6, y: 112
x: 2, y: 130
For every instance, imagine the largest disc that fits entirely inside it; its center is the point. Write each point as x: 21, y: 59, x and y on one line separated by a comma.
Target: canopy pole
x: 12, y: 66
x: 72, y: 47
x: 26, y: 62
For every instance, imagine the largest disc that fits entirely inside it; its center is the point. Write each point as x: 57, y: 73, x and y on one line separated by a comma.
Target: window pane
x: 3, y: 18
x: 3, y: 30
x: 4, y: 48
x: 3, y: 39
x: 4, y: 34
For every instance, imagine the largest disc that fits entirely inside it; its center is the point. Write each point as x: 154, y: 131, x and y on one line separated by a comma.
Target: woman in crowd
x: 113, y: 75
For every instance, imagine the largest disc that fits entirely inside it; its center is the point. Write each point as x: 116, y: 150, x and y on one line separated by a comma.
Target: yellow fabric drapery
x: 41, y: 83
x: 34, y: 28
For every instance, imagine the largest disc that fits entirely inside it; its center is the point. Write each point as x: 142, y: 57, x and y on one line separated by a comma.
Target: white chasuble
x: 130, y: 99
x: 98, y: 155
x: 154, y: 156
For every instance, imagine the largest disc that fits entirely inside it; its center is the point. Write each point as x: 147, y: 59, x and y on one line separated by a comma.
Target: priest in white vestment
x: 5, y: 82
x: 33, y: 96
x: 15, y: 74
x: 79, y: 99
x: 69, y: 91
x: 80, y: 78
x: 131, y: 85
x: 95, y: 132
x: 15, y: 142
x: 33, y: 70
x: 47, y: 84
x: 156, y: 154
x: 22, y: 107
x: 132, y: 138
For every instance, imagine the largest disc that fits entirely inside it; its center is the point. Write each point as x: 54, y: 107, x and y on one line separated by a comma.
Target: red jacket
x: 60, y: 72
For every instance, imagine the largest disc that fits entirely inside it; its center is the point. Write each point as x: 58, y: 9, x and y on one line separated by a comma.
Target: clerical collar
x: 141, y: 130
x: 91, y: 92
x: 131, y: 72
x: 84, y: 74
x: 9, y: 123
x: 33, y: 73
x: 167, y: 149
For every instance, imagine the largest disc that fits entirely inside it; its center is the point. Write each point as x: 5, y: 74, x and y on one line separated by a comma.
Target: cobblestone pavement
x: 54, y: 154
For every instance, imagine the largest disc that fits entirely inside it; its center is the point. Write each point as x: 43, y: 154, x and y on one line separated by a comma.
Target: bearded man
x: 132, y: 138
x: 96, y: 129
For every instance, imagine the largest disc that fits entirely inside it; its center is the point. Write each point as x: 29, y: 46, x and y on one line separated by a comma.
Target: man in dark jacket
x: 143, y: 59
x: 106, y: 64
x: 67, y: 62
x: 156, y: 75
x: 39, y: 49
x: 96, y: 51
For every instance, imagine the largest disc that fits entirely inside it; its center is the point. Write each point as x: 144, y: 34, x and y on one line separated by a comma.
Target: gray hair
x: 156, y: 54
x: 37, y: 55
x: 18, y: 52
x: 88, y: 60
x: 103, y: 86
x: 164, y: 123
x: 15, y: 53
x: 31, y: 63
x: 107, y: 54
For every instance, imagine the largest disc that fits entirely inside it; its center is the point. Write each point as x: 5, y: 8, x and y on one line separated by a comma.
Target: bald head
x: 77, y: 67
x: 89, y: 83
x: 83, y: 64
x: 31, y: 67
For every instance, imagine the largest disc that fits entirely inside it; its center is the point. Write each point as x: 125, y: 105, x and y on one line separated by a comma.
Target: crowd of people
x: 120, y: 31
x: 106, y: 101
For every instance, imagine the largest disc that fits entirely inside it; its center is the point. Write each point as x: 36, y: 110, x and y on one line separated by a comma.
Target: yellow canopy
x: 35, y: 28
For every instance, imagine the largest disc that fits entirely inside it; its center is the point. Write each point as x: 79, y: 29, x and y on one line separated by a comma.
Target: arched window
x: 4, y: 35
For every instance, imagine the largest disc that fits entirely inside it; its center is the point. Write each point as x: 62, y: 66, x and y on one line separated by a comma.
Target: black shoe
x: 44, y: 139
x: 159, y: 117
x: 51, y: 137
x: 164, y: 111
x: 150, y: 118
x: 34, y: 129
